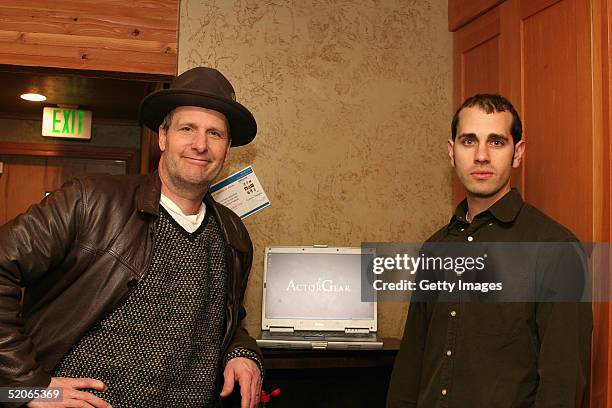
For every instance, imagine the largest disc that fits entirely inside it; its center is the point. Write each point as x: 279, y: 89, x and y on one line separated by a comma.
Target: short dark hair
x: 491, y: 103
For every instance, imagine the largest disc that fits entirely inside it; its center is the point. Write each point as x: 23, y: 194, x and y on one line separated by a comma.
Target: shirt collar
x: 508, y: 207
x: 505, y: 209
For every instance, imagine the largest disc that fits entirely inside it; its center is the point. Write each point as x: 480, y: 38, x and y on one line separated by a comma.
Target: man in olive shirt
x: 488, y: 355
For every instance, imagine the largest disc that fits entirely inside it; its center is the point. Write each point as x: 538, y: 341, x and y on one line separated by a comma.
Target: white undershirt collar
x: 189, y: 222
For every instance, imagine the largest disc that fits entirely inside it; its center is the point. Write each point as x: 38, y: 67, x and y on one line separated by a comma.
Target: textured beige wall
x: 353, y: 103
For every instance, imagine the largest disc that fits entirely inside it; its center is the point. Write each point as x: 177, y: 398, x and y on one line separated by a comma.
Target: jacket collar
x: 147, y: 202
x: 147, y: 198
x: 233, y: 233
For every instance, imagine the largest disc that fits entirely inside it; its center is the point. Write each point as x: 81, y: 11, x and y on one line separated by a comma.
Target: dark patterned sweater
x: 162, y: 346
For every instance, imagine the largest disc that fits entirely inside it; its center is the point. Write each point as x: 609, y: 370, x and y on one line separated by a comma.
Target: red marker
x: 264, y: 397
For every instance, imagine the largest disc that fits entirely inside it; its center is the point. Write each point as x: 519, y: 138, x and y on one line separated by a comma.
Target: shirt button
x: 449, y: 353
x: 453, y: 313
x: 470, y: 238
x: 461, y: 229
x: 444, y: 392
x: 490, y: 224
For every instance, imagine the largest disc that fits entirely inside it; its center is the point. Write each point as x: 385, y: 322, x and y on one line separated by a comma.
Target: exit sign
x: 63, y: 122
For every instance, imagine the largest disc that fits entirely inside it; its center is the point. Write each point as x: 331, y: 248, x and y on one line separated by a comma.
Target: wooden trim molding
x: 461, y: 12
x: 601, y: 367
x: 531, y: 7
x: 130, y: 156
x: 123, y: 76
x: 150, y: 154
x: 138, y: 36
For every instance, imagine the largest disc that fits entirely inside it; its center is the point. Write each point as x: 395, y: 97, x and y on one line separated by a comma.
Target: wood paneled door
x: 557, y: 111
x: 27, y: 177
x: 485, y: 62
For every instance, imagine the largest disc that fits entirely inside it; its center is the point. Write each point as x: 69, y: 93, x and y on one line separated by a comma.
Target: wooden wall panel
x: 126, y: 36
x: 606, y: 88
x: 557, y: 112
x: 481, y: 68
x: 601, y: 369
x: 476, y: 57
x: 487, y: 58
x: 159, y: 9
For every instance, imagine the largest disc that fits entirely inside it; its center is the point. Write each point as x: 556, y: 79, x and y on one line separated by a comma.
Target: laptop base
x: 320, y: 341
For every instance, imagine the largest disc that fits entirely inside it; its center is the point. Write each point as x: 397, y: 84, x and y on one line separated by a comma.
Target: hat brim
x: 155, y: 106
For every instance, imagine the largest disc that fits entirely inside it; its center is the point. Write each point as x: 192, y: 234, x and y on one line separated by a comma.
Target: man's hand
x: 244, y: 371
x: 71, y: 396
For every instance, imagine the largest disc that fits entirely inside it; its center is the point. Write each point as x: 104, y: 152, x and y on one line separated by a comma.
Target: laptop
x: 312, y: 300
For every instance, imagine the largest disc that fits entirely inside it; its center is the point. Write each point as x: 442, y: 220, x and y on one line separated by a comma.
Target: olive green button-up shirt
x: 494, y: 355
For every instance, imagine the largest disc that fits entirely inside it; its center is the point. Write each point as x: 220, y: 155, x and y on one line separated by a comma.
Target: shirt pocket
x: 493, y: 320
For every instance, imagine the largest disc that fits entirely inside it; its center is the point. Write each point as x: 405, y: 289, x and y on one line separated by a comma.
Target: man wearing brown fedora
x: 134, y: 284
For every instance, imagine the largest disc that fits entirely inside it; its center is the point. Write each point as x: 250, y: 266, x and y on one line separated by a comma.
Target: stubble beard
x: 465, y: 181
x: 487, y: 192
x: 184, y: 186
x: 190, y: 187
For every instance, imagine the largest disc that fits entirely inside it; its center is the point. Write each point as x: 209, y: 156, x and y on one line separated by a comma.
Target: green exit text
x: 67, y: 122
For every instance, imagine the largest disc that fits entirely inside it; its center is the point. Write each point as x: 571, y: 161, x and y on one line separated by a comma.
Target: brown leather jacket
x: 79, y: 254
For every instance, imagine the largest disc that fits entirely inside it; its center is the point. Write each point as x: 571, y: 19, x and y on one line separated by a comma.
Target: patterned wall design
x: 353, y: 103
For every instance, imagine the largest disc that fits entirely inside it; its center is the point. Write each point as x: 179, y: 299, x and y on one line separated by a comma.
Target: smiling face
x: 484, y: 153
x: 194, y: 148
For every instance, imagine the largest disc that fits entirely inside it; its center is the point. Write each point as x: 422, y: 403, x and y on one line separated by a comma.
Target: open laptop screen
x: 315, y: 286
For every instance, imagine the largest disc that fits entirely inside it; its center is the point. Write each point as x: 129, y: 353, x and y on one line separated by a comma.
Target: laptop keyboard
x: 318, y: 334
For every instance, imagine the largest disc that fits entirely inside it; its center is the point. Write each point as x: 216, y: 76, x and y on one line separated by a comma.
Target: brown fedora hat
x: 206, y: 88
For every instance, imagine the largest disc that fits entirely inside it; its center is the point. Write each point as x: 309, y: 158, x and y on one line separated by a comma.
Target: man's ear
x: 162, y: 138
x: 227, y: 153
x: 519, y: 150
x: 451, y: 153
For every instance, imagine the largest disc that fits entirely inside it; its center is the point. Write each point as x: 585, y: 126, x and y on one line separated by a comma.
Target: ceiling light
x: 33, y: 97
